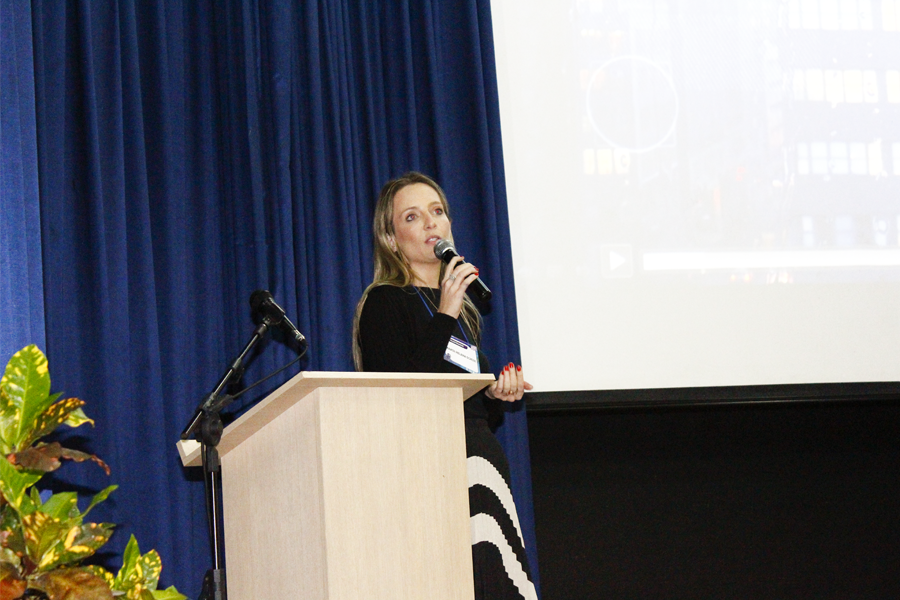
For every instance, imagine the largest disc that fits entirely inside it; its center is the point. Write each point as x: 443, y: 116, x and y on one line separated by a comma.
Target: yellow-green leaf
x: 139, y: 574
x: 77, y: 417
x: 100, y: 497
x: 14, y: 485
x: 12, y: 544
x: 63, y: 505
x: 25, y: 394
x: 151, y: 566
x: 8, y: 416
x: 42, y: 534
x: 170, y: 593
x: 66, y: 411
x: 53, y: 543
x: 102, y: 573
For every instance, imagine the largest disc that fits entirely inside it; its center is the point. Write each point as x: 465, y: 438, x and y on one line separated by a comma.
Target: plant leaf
x: 129, y: 563
x: 66, y: 543
x: 11, y: 585
x: 66, y: 411
x: 139, y: 575
x: 12, y: 544
x: 9, y: 557
x: 44, y: 539
x: 99, y: 497
x: 102, y: 574
x: 126, y: 577
x: 72, y: 584
x: 52, y: 541
x: 151, y: 567
x: 26, y: 394
x: 63, y: 505
x: 77, y: 417
x: 13, y: 486
x: 41, y: 459
x: 45, y: 457
x: 8, y: 412
x: 42, y: 532
x: 170, y: 593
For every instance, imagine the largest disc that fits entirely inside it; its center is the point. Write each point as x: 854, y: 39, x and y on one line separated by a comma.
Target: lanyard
x: 428, y: 308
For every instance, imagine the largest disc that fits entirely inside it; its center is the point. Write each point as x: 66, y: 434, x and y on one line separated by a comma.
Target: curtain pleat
x: 192, y: 152
x: 21, y: 265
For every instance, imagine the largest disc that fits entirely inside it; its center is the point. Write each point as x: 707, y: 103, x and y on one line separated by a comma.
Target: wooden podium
x: 343, y: 486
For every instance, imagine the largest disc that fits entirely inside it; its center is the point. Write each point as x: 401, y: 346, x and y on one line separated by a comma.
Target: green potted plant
x: 44, y: 538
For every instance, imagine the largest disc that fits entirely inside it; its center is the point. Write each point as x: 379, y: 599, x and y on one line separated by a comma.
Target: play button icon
x: 616, y: 261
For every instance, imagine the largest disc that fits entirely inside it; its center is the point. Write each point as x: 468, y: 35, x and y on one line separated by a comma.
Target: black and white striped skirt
x: 498, y: 548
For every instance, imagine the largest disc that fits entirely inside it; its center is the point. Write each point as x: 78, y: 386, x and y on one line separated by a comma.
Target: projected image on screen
x: 745, y: 141
x: 703, y: 192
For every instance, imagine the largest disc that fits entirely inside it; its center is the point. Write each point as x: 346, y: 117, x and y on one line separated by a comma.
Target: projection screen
x: 703, y: 193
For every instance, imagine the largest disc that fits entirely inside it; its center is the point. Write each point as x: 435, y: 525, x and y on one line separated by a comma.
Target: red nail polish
x: 518, y: 367
x: 511, y: 365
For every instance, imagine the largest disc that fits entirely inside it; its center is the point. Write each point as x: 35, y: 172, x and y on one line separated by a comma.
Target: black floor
x: 798, y: 501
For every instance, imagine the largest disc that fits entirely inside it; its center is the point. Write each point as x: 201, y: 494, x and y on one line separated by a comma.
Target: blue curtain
x: 21, y: 282
x: 192, y: 152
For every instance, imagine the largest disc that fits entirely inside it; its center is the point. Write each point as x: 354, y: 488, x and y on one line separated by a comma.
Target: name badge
x: 463, y: 355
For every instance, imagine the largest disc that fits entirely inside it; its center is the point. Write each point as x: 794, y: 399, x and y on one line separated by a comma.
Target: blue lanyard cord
x: 428, y: 308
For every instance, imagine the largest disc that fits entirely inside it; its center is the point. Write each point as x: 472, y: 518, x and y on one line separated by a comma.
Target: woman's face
x: 419, y: 221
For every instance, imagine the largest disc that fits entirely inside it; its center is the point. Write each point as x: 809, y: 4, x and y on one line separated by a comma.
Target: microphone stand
x: 206, y: 425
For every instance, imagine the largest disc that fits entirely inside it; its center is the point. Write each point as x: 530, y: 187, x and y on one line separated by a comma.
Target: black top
x: 397, y: 333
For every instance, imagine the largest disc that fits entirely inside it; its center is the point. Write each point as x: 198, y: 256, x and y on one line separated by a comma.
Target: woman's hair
x: 391, y: 267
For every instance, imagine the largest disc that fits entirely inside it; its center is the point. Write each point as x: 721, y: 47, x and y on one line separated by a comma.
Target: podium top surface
x: 305, y: 382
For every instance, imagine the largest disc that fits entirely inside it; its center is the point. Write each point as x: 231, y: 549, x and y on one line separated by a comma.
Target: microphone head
x: 442, y: 247
x: 263, y: 304
x: 258, y: 298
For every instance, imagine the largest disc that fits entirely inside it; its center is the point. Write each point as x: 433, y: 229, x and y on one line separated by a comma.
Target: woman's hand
x: 457, y: 277
x: 510, y: 384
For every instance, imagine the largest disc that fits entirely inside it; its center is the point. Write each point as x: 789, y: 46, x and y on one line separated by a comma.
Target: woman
x: 415, y: 309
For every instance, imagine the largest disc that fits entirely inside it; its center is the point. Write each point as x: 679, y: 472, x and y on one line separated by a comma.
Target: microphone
x: 262, y: 303
x: 445, y: 251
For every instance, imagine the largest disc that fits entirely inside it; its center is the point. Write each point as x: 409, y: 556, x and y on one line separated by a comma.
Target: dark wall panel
x: 752, y: 501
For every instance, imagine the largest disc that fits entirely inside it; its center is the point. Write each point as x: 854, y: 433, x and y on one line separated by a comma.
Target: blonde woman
x: 413, y: 315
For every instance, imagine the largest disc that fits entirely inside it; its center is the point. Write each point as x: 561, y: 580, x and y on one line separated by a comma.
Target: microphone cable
x: 229, y: 398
